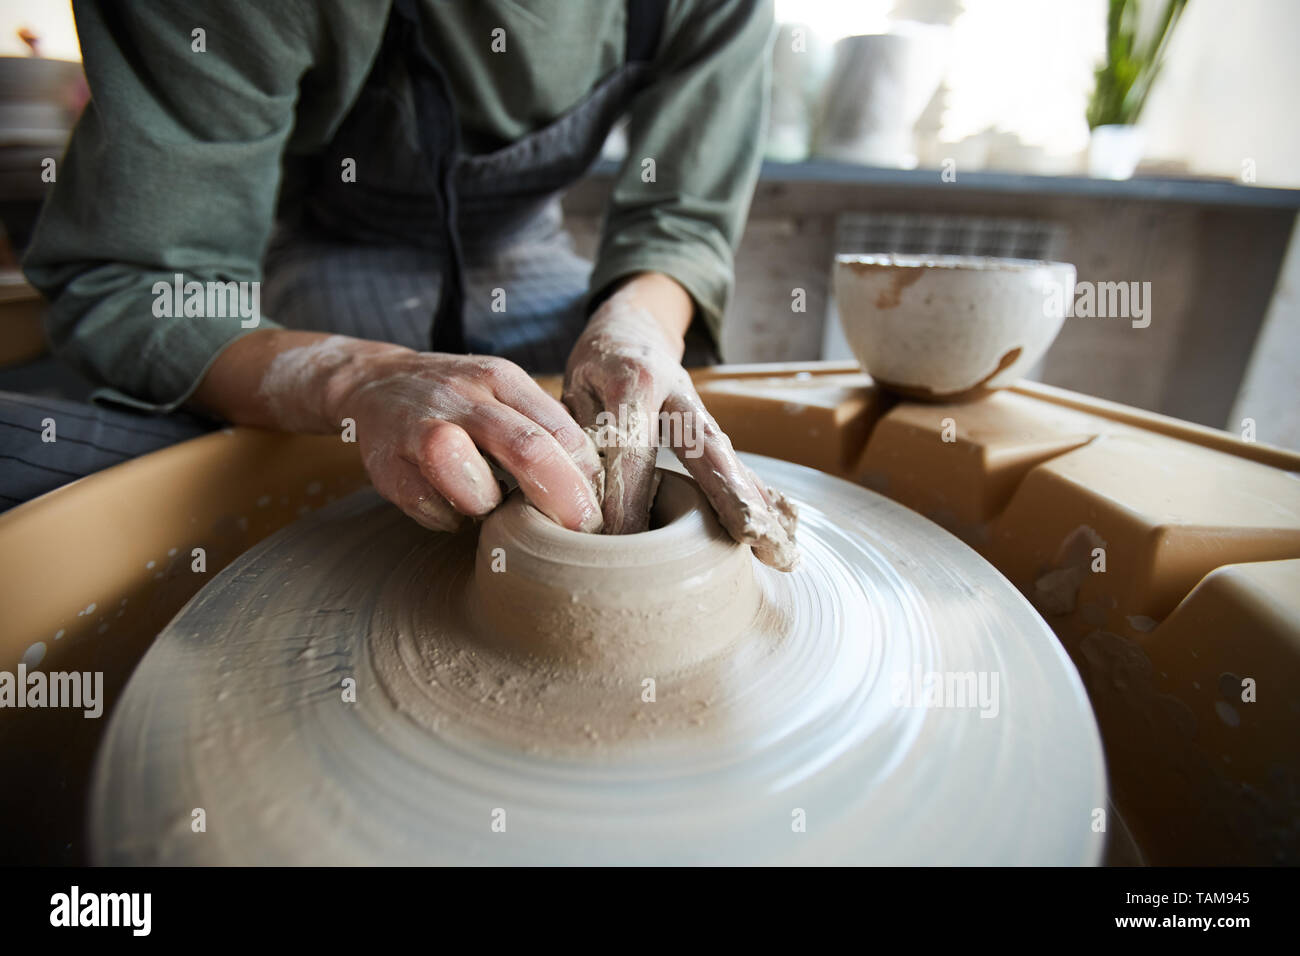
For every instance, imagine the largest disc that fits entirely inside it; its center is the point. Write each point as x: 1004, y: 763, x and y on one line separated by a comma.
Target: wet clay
x: 648, y: 603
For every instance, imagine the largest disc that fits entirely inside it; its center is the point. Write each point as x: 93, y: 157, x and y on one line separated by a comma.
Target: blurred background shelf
x: 1189, y: 190
x: 1223, y: 338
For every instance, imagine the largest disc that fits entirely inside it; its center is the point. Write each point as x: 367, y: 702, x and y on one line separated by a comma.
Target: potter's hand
x: 423, y: 421
x: 625, y: 384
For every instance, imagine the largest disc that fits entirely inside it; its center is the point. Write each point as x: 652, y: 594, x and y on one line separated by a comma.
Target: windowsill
x: 1203, y: 192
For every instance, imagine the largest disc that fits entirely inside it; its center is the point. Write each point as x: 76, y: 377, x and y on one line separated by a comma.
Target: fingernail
x: 437, y: 516
x: 487, y: 502
x: 592, y: 521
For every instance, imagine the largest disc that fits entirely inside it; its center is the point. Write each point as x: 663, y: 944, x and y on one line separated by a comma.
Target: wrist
x: 290, y: 380
x: 345, y: 367
x: 655, y: 304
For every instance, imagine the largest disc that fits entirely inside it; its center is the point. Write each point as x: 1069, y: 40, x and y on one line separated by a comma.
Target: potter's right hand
x: 424, y: 422
x: 625, y: 382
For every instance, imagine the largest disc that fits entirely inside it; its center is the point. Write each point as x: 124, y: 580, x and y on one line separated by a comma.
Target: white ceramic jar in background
x: 878, y: 87
x: 942, y: 327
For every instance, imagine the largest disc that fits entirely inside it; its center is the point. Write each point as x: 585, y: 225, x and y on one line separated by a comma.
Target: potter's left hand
x: 626, y: 385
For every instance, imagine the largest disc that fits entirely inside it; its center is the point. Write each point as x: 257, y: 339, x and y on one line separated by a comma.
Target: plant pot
x: 1114, y: 151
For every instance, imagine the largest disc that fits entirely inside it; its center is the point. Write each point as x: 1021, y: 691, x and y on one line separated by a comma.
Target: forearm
x: 702, y: 121
x: 277, y: 378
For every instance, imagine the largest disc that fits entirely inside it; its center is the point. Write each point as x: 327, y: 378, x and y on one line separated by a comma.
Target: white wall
x: 1270, y: 393
x: 1228, y: 91
x: 51, y: 20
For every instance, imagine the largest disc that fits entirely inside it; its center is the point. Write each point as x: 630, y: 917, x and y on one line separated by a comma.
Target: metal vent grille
x: 928, y: 234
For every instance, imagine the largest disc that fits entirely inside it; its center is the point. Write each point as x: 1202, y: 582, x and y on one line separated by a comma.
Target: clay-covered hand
x: 424, y: 422
x: 625, y: 384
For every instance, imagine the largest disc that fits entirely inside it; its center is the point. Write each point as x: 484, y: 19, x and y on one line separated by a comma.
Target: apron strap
x: 645, y: 23
x: 439, y: 131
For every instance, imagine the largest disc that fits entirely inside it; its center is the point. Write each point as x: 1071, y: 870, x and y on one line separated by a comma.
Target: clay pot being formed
x: 643, y: 603
x: 945, y: 327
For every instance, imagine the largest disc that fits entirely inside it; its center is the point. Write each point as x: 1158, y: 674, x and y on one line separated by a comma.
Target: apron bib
x: 417, y: 186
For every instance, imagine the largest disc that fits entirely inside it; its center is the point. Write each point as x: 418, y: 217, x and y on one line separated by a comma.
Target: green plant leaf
x: 1124, y: 80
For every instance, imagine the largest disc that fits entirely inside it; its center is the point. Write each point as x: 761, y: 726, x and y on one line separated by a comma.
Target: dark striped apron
x: 422, y: 189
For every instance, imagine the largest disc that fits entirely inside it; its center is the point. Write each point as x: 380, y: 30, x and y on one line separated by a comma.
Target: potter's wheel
x: 801, y: 738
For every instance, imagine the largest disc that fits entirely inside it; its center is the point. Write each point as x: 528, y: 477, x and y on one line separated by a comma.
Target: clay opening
x: 673, y: 500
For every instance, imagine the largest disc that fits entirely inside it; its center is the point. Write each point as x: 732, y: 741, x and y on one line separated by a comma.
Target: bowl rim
x: 901, y: 260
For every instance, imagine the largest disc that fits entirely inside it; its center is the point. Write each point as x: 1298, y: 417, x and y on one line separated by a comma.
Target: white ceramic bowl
x: 942, y: 327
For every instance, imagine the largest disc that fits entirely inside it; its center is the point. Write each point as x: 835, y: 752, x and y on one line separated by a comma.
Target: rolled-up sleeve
x: 695, y: 142
x: 173, y: 170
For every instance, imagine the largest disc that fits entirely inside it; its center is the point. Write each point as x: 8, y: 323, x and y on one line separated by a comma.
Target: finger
x: 726, y: 481
x: 448, y: 459
x: 630, y: 447
x: 784, y: 509
x: 514, y: 388
x: 582, y: 404
x: 401, y: 482
x: 549, y: 477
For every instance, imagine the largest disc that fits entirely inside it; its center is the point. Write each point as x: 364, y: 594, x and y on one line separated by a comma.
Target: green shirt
x: 178, y: 160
